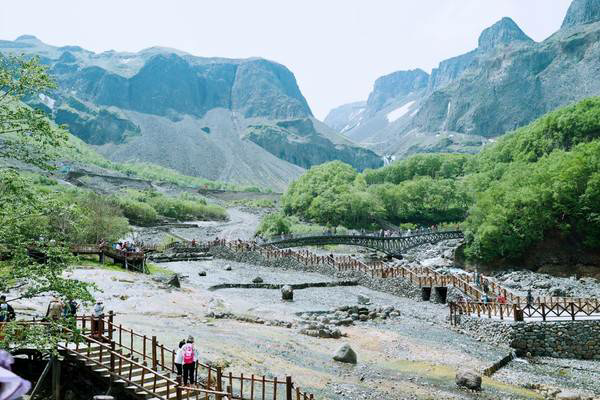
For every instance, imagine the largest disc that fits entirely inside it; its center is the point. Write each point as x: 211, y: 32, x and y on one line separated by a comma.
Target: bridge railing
x: 162, y: 358
x: 577, y: 309
x: 377, y: 234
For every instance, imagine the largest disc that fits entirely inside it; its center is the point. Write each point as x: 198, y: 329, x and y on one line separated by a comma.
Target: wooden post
x: 55, y: 378
x: 219, y: 382
x: 110, y: 324
x: 154, y: 356
x: 288, y: 388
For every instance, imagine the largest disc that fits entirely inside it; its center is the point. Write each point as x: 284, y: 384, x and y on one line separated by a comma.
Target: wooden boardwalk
x: 129, y: 260
x: 146, y: 368
x: 515, y: 306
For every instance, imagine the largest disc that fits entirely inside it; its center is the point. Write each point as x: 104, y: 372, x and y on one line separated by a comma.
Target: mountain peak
x: 582, y: 12
x: 27, y: 38
x: 502, y: 33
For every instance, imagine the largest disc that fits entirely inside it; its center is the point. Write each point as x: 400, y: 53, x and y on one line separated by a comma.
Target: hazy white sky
x: 336, y: 48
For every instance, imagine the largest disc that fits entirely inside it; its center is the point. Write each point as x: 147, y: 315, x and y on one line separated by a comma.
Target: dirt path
x: 241, y: 225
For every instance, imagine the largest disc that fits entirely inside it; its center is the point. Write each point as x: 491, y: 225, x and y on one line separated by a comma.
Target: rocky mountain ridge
x: 189, y: 113
x: 506, y: 82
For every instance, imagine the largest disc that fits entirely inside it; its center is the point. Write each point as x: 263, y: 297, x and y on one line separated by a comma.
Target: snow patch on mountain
x: 399, y: 112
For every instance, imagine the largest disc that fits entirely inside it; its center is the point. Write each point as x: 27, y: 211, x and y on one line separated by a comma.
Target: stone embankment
x: 396, y: 286
x: 297, y: 286
x: 560, y: 339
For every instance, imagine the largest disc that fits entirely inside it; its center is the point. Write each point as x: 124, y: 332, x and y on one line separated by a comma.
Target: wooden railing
x: 572, y: 310
x: 162, y: 358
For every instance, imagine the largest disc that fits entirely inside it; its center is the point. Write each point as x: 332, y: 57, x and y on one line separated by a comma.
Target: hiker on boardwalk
x: 529, y: 297
x: 486, y: 287
x: 55, y: 309
x: 179, y: 359
x: 98, y: 319
x: 7, y: 313
x: 70, y: 309
x: 485, y: 298
x: 501, y: 299
x: 477, y: 279
x: 190, y: 358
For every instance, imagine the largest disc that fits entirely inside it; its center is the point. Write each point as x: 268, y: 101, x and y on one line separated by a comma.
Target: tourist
x: 179, y: 359
x: 501, y: 299
x: 193, y: 242
x: 7, y: 313
x: 529, y: 297
x: 55, y: 309
x: 70, y: 308
x: 98, y: 319
x: 486, y: 287
x: 190, y: 357
x: 477, y: 279
x: 485, y: 298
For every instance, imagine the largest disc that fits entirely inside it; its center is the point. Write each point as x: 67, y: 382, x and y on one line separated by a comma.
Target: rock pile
x: 547, y: 285
x: 324, y: 325
x: 248, y: 318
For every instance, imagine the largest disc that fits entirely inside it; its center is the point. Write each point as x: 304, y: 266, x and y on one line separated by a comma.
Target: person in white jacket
x: 179, y: 359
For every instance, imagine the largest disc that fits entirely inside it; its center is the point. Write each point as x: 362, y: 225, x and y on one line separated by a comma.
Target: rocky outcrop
x: 503, y: 33
x: 506, y: 82
x: 582, y: 12
x: 397, y: 84
x: 299, y: 142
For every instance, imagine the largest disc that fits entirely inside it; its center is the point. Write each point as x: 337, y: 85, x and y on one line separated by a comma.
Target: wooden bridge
x: 146, y: 368
x: 128, y: 259
x: 391, y: 245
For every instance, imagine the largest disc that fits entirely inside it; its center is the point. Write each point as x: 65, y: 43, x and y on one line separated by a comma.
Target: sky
x: 335, y: 48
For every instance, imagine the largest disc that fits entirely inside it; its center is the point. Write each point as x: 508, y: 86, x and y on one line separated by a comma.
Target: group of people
x: 126, y: 247
x: 58, y: 309
x: 186, y: 360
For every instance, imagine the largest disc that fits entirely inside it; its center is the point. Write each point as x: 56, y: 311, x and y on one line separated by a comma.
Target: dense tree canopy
x: 540, y: 181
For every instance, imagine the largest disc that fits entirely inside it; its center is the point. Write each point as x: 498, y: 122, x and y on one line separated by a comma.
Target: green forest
x: 540, y: 181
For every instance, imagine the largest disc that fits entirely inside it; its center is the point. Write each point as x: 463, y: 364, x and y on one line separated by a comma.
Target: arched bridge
x: 391, y: 245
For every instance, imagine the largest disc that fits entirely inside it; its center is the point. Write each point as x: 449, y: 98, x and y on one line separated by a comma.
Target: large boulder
x: 468, y: 379
x: 287, y: 293
x: 363, y: 299
x: 568, y: 395
x: 258, y: 279
x: 345, y: 354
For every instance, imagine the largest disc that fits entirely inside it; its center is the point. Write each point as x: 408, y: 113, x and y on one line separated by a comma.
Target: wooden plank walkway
x: 146, y: 368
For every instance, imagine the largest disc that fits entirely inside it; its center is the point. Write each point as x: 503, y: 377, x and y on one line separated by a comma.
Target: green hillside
x: 541, y: 181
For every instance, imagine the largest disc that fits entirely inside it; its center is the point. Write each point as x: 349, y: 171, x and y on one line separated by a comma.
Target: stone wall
x: 565, y: 339
x: 579, y: 339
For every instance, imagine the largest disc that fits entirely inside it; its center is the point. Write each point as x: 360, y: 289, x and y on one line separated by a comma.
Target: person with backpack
x: 7, y: 313
x: 179, y: 359
x: 190, y: 357
x: 55, y: 309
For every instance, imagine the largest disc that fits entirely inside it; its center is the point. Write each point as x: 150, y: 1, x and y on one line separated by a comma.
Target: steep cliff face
x: 506, y: 82
x: 119, y: 101
x: 397, y: 84
x: 582, y: 12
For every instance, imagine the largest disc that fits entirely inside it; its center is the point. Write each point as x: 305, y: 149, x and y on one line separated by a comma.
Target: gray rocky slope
x: 242, y: 121
x: 506, y: 82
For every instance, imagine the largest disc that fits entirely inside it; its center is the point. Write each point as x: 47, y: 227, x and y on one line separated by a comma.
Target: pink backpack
x: 188, y: 353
